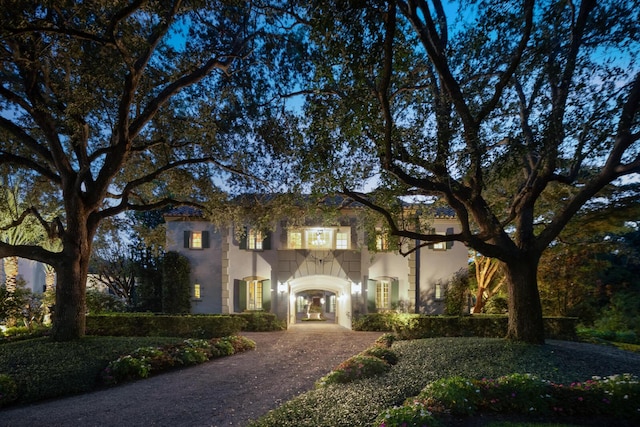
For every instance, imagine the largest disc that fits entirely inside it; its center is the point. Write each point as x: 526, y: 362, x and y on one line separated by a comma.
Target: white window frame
x: 254, y: 295
x: 383, y: 294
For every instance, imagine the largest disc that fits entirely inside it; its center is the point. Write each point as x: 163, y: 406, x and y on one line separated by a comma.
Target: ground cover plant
x: 423, y: 362
x: 37, y: 369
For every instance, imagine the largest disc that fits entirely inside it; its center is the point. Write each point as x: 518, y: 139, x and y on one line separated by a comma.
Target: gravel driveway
x: 223, y: 392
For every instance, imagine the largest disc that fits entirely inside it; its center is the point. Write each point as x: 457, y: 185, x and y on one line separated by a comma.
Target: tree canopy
x: 516, y: 114
x: 112, y: 106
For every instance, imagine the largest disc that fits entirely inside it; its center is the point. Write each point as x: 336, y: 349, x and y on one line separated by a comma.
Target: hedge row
x: 186, y: 326
x: 149, y: 325
x: 414, y: 326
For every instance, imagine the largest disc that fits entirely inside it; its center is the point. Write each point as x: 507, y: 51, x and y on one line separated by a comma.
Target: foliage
x: 422, y: 362
x: 8, y: 390
x: 43, y: 369
x: 142, y: 106
x: 396, y: 110
x: 99, y: 302
x: 146, y: 361
x: 413, y: 326
x: 21, y: 307
x: 456, y: 294
x: 176, y: 283
x: 613, y: 396
x: 139, y: 324
x: 355, y: 368
x: 497, y: 304
x: 260, y: 321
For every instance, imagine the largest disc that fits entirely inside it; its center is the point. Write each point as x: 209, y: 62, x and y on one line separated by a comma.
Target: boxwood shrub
x: 187, y: 326
x: 416, y: 326
x: 260, y: 321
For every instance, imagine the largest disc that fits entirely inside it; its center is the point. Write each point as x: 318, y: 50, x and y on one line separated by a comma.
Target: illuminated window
x: 295, y: 240
x: 196, y: 240
x: 382, y: 242
x: 196, y: 291
x: 439, y: 291
x: 383, y: 288
x: 342, y: 241
x: 254, y: 240
x: 254, y: 297
x: 318, y: 238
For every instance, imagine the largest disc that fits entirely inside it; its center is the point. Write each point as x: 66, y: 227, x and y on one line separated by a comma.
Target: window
x: 382, y: 242
x: 382, y: 294
x: 442, y: 246
x: 254, y: 297
x: 196, y: 239
x: 295, y: 240
x: 196, y: 291
x: 254, y: 240
x: 439, y: 291
x: 319, y: 238
x: 342, y: 240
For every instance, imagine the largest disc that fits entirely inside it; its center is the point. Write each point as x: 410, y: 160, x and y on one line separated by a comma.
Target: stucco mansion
x: 312, y: 271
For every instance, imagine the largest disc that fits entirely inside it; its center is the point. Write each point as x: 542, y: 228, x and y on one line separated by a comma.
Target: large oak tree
x: 488, y: 107
x: 108, y: 106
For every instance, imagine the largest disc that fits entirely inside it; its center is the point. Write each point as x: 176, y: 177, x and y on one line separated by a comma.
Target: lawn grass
x: 44, y: 369
x: 424, y: 361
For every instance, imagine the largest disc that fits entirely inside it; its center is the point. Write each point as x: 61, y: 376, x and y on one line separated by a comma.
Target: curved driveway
x: 222, y: 392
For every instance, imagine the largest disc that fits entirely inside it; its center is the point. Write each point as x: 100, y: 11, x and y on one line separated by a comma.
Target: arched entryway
x: 331, y: 294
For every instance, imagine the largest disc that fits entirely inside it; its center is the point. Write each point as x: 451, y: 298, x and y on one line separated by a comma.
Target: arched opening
x: 320, y: 298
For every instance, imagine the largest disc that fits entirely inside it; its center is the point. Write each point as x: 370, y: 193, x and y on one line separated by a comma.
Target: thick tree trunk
x: 525, y: 309
x: 69, y: 312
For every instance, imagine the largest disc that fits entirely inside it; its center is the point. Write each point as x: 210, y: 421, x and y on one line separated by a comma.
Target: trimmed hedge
x: 257, y: 321
x: 415, y: 326
x: 142, y: 325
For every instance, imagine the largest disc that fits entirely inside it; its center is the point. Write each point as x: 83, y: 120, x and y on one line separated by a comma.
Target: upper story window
x: 342, y: 240
x: 319, y: 238
x: 442, y: 246
x: 196, y: 239
x: 255, y: 239
x: 382, y: 241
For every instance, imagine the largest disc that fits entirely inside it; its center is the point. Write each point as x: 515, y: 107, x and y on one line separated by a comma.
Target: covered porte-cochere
x: 320, y: 298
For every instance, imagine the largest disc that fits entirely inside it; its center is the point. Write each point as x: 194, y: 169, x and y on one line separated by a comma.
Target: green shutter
x: 205, y: 239
x: 431, y: 231
x: 449, y: 231
x: 371, y: 295
x: 266, y: 295
x: 266, y: 242
x: 243, y: 239
x: 239, y: 296
x: 187, y: 239
x: 395, y: 292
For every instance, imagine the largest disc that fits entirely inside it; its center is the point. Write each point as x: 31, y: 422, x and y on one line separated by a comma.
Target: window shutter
x: 266, y: 242
x: 187, y: 239
x: 205, y: 239
x: 395, y: 291
x: 243, y: 238
x: 449, y: 231
x: 239, y: 296
x: 371, y: 295
x: 266, y: 295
